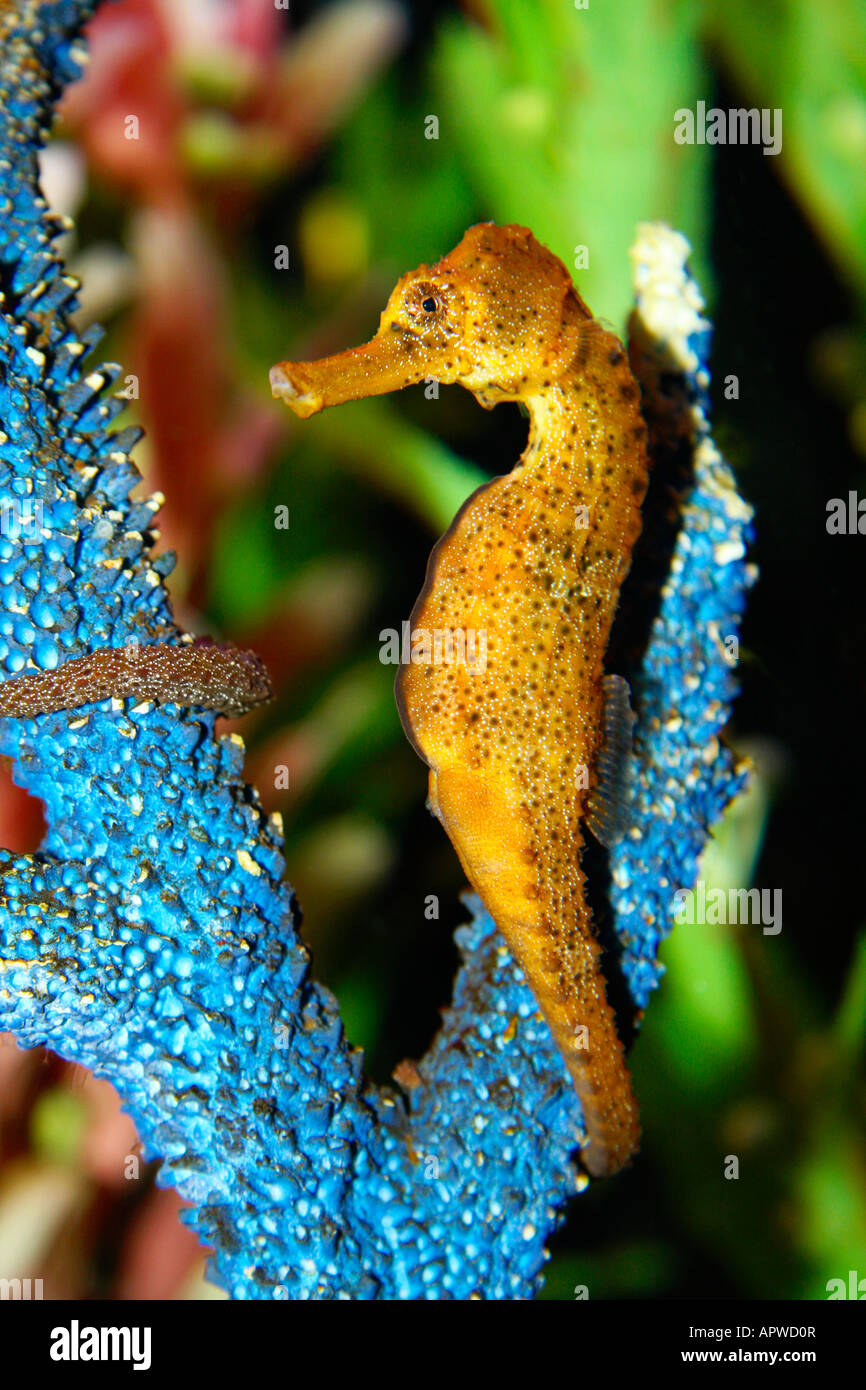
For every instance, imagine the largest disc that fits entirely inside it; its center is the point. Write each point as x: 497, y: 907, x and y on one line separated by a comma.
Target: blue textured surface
x: 152, y: 938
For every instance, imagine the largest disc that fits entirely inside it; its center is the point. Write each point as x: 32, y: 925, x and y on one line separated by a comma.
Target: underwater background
x: 364, y: 137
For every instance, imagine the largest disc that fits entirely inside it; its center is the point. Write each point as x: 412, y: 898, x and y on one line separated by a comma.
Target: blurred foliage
x: 544, y: 107
x: 810, y: 61
x: 57, y: 1125
x: 320, y: 139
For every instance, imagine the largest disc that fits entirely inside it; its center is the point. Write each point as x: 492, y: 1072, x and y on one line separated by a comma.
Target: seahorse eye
x: 424, y: 302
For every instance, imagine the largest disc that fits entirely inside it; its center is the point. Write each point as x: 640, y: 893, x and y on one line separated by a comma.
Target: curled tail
x: 571, y: 994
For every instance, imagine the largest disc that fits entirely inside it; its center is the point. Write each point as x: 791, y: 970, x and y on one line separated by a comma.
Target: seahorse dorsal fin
x: 607, y: 809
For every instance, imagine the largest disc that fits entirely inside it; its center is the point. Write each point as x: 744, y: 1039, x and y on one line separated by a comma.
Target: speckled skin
x: 534, y: 562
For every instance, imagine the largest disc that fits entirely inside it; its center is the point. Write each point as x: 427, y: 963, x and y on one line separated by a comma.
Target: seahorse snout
x: 291, y: 388
x: 388, y: 362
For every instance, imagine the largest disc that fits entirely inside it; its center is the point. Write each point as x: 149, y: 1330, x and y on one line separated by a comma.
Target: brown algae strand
x: 202, y: 674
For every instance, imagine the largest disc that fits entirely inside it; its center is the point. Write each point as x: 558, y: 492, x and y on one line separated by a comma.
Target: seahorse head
x: 499, y: 315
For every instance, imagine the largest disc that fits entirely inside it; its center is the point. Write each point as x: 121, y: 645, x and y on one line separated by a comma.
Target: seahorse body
x: 534, y: 561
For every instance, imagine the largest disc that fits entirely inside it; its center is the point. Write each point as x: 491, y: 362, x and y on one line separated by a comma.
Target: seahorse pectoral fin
x: 607, y: 810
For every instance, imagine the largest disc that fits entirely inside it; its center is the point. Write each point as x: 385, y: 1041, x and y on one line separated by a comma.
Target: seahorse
x: 532, y: 568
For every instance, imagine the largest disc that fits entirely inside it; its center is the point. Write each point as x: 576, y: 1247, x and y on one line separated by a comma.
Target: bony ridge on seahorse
x: 534, y: 561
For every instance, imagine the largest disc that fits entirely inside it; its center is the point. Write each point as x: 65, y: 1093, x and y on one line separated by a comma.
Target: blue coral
x: 153, y: 939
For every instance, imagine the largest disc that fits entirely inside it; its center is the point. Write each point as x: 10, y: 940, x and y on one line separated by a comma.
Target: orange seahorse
x: 533, y: 563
